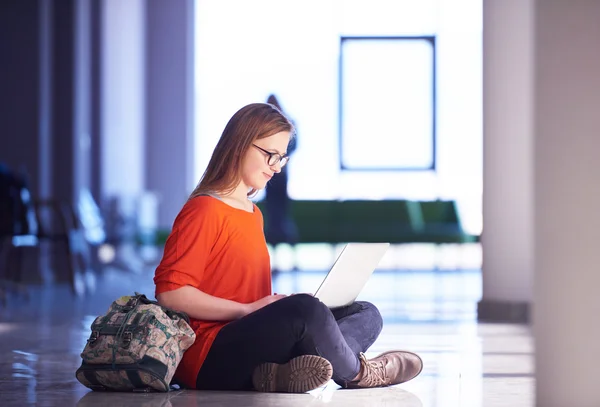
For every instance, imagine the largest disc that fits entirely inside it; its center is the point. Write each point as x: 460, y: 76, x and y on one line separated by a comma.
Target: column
x: 567, y: 203
x: 123, y: 101
x: 170, y: 97
x: 507, y: 238
x: 24, y: 90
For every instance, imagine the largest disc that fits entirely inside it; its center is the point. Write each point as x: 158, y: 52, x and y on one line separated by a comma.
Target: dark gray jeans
x: 293, y: 326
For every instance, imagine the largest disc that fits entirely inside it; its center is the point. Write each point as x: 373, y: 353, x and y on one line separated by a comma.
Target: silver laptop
x: 350, y: 273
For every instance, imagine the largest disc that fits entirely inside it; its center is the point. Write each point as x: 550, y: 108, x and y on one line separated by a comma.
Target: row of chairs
x: 31, y: 228
x: 394, y: 221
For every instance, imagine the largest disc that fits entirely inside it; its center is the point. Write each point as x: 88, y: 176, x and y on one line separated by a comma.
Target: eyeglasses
x: 274, y: 158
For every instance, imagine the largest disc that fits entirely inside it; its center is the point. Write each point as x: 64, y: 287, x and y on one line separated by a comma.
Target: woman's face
x: 256, y: 171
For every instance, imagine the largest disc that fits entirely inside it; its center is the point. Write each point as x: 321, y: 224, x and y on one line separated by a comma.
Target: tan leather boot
x: 392, y: 367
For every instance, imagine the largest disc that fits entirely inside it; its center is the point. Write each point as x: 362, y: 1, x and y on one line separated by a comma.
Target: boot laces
x: 374, y: 372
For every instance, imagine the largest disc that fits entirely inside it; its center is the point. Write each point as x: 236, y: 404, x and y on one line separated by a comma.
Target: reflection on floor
x: 430, y: 312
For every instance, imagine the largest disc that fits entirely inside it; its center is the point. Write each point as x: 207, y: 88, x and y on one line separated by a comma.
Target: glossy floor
x: 430, y: 312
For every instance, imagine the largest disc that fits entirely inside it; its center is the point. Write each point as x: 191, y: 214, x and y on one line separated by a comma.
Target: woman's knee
x: 309, y: 308
x: 372, y: 316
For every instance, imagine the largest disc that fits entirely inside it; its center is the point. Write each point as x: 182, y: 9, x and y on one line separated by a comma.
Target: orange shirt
x: 220, y: 250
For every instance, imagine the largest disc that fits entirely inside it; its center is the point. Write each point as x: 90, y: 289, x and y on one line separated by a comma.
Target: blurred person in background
x: 280, y: 225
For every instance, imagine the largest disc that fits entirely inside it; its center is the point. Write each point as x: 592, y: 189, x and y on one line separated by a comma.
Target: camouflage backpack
x: 135, y: 346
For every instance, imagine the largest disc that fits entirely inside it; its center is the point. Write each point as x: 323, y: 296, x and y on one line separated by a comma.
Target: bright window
x: 387, y: 99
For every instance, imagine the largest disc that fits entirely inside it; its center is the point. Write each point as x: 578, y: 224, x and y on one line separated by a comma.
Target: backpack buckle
x: 93, y: 337
x: 132, y: 303
x: 127, y: 337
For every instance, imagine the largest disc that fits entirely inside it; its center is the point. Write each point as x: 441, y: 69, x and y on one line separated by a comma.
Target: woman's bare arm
x: 202, y: 306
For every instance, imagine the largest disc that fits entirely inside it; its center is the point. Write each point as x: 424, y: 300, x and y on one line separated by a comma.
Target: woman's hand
x: 269, y: 299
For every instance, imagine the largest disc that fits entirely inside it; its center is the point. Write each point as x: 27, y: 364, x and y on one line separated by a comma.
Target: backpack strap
x: 171, y: 313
